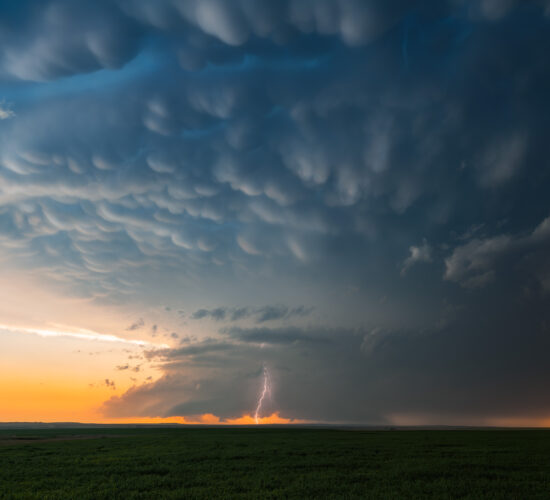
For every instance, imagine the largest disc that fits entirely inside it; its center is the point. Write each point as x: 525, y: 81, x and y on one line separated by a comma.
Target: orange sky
x: 59, y: 358
x: 64, y: 379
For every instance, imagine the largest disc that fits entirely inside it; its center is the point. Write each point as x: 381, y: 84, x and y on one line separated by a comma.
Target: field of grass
x: 146, y: 463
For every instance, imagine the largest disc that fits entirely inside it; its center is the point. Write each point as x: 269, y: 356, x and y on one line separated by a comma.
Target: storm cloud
x: 362, y: 185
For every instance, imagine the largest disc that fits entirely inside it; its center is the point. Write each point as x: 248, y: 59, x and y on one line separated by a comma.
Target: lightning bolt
x: 265, y: 390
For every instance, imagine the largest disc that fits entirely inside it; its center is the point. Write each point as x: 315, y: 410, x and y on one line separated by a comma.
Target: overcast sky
x: 344, y: 201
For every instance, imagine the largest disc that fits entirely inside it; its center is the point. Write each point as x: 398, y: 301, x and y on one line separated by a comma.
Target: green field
x: 131, y: 463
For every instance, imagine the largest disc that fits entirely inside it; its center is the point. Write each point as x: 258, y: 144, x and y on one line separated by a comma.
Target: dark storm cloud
x: 180, y: 176
x: 47, y: 40
x: 475, y: 263
x: 390, y: 159
x: 272, y: 336
x: 455, y: 371
x: 193, y: 349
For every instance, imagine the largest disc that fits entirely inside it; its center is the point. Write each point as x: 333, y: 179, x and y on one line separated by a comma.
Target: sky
x: 252, y: 211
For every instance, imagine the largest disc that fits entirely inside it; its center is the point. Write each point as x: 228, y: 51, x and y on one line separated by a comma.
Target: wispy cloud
x: 78, y: 333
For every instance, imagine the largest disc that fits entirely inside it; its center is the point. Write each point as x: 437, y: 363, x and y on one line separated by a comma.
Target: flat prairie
x: 145, y: 463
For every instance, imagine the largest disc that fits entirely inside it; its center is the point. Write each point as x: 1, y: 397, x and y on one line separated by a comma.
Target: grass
x: 146, y: 463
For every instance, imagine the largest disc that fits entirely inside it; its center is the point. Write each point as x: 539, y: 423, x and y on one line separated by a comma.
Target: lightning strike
x: 265, y: 390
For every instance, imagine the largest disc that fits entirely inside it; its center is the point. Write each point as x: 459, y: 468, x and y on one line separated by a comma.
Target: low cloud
x: 275, y: 336
x: 5, y: 111
x: 360, y: 375
x: 418, y: 254
x: 136, y: 325
x: 476, y: 263
x: 110, y: 383
x: 217, y: 314
x: 259, y: 314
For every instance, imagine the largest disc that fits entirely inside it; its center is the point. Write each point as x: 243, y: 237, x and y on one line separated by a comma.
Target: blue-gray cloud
x: 458, y: 370
x: 259, y: 314
x: 231, y: 164
x: 385, y: 162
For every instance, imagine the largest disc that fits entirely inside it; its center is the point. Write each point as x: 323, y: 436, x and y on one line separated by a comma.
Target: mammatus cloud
x: 291, y: 152
x: 63, y: 39
x: 187, y: 185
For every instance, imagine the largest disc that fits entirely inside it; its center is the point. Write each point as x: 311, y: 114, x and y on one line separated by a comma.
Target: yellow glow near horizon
x: 27, y: 400
x: 60, y: 375
x: 207, y: 419
x: 274, y: 418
